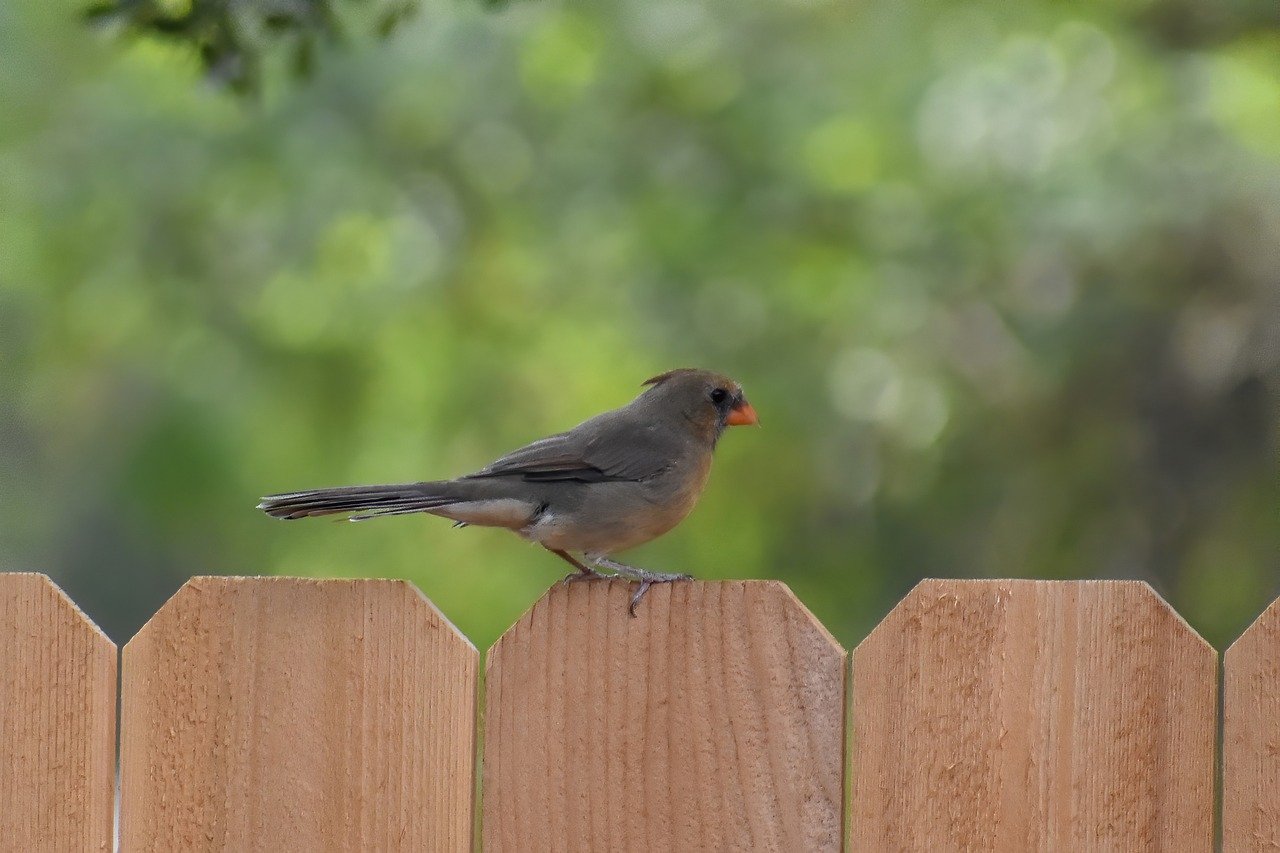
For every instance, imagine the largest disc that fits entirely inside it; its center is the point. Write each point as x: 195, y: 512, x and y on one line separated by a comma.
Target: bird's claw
x: 639, y: 594
x: 643, y: 577
x: 648, y: 579
x: 588, y: 575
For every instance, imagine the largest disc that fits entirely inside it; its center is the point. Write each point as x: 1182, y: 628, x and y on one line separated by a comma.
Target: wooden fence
x: 288, y: 714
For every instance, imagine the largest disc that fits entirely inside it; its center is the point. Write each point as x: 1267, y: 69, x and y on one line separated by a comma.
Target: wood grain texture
x: 288, y: 714
x: 1033, y: 715
x: 1251, y: 738
x: 712, y: 721
x: 57, y: 721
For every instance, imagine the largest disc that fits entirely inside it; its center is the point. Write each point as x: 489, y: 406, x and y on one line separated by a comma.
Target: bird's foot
x: 584, y: 574
x: 644, y: 577
x: 648, y: 579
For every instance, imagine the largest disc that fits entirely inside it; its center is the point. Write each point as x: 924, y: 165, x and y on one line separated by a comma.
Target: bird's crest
x: 663, y: 377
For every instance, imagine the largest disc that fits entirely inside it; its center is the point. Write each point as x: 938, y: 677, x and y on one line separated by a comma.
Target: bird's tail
x: 360, y: 502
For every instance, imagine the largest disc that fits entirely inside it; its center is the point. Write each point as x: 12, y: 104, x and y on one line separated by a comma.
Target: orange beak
x: 743, y: 414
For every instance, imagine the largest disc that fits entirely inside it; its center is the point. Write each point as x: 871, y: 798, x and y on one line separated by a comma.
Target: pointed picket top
x: 57, y: 720
x: 1251, y: 738
x: 290, y: 713
x: 713, y: 720
x: 1025, y: 715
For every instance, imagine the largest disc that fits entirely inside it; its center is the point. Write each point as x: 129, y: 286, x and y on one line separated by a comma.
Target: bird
x: 615, y: 481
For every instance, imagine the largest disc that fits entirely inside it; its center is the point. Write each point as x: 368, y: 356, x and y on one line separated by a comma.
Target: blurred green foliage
x: 1003, y: 281
x: 232, y: 39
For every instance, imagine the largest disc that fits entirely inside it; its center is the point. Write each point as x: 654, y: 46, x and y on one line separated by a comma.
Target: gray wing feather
x: 607, y: 447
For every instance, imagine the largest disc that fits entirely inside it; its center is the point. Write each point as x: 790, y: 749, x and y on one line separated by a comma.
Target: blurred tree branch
x: 232, y: 37
x: 1189, y: 24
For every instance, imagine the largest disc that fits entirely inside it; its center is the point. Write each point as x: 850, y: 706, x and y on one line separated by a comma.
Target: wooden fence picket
x: 1251, y: 738
x: 295, y: 714
x: 290, y: 714
x: 57, y: 721
x: 712, y: 721
x: 1033, y: 715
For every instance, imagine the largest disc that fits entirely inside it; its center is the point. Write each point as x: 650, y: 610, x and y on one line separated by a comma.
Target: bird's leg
x: 644, y: 577
x: 634, y: 573
x: 583, y: 572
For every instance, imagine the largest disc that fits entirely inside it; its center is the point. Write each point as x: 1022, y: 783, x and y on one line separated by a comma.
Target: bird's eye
x: 719, y: 395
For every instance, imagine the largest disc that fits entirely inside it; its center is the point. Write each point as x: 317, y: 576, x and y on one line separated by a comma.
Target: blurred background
x: 1003, y: 281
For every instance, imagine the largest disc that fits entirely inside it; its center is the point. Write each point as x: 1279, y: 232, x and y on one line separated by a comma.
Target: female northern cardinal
x: 611, y: 483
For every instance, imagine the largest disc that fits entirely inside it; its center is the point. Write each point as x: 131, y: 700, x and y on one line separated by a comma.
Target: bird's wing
x: 602, y: 449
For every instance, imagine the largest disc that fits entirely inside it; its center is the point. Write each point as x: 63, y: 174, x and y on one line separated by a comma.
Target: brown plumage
x: 611, y: 483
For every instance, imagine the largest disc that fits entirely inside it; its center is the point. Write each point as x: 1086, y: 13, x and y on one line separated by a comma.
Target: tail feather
x: 361, y: 502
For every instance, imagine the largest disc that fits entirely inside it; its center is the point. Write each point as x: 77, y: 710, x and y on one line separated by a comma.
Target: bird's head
x: 704, y: 400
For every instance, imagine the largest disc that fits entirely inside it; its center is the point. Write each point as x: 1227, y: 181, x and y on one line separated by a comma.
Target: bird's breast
x: 679, y: 487
x: 608, y: 517
x: 671, y: 496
